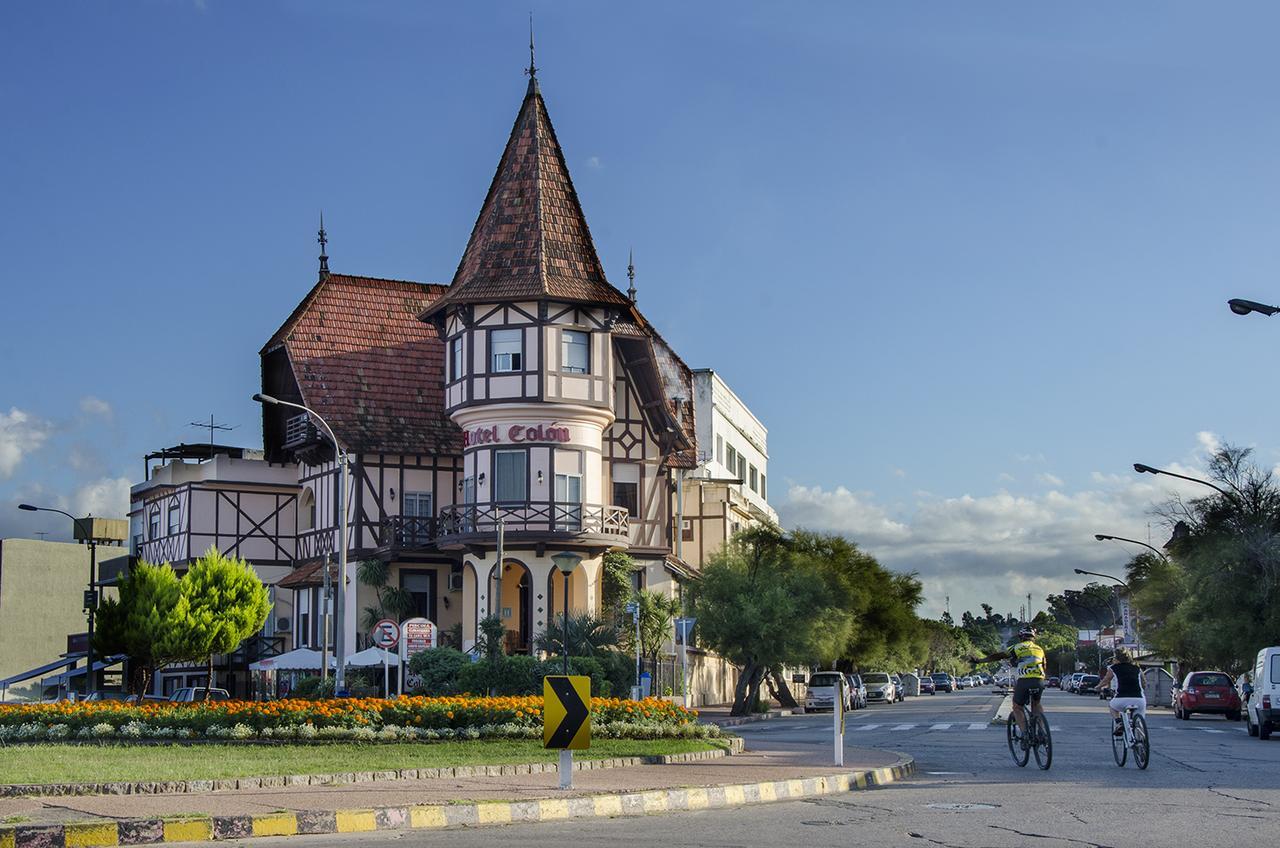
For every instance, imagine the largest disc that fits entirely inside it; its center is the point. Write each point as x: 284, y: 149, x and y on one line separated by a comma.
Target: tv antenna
x: 211, y: 425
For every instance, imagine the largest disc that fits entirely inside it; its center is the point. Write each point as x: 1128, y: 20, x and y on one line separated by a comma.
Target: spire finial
x: 532, y: 70
x: 631, y: 275
x: 324, y: 258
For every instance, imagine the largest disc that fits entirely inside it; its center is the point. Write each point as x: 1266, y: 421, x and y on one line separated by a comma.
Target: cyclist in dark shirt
x: 1126, y: 679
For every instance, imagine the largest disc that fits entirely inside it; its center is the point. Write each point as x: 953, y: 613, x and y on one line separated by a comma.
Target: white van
x: 1263, y: 712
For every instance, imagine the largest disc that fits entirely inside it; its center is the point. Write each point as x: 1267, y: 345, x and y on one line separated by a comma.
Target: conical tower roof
x: 531, y: 240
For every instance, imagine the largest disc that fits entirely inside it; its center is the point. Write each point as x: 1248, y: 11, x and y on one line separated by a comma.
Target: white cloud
x: 996, y: 547
x: 1209, y: 442
x: 20, y: 435
x: 898, y: 472
x: 594, y: 163
x: 1006, y: 477
x: 91, y: 405
x: 107, y: 497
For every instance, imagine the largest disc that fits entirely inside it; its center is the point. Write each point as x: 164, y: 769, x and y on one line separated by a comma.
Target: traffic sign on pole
x: 385, y: 634
x: 566, y: 712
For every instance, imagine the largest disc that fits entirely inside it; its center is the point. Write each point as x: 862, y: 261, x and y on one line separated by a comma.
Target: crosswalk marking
x: 941, y: 727
x: 865, y: 726
x: 903, y: 727
x: 978, y: 726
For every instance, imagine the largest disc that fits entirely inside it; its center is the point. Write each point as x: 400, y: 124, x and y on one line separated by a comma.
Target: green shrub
x: 440, y: 669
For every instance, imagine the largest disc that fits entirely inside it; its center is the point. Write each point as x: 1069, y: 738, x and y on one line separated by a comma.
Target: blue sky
x: 966, y: 263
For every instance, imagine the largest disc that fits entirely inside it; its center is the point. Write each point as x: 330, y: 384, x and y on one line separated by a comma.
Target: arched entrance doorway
x: 512, y: 604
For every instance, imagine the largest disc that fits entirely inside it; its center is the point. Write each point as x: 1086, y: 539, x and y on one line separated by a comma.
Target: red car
x: 1206, y: 692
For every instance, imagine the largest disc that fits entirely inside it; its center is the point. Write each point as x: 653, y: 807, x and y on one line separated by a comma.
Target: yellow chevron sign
x: 566, y: 712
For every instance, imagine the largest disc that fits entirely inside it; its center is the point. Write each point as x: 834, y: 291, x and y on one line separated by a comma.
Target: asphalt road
x: 1209, y: 784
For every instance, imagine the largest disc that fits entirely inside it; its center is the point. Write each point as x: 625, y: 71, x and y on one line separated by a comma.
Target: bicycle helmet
x: 1027, y: 632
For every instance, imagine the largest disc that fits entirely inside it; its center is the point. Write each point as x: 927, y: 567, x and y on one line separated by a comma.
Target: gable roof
x: 531, y: 238
x: 363, y: 360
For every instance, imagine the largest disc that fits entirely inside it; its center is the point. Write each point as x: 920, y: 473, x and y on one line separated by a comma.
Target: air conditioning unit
x: 455, y: 581
x: 284, y: 625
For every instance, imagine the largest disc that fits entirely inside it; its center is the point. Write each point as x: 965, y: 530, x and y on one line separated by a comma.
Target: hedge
x: 372, y: 719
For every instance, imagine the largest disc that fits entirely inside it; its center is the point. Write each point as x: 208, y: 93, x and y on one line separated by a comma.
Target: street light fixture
x: 340, y: 648
x: 1098, y: 574
x: 1103, y: 537
x: 1240, y: 306
x: 566, y: 562
x: 1147, y: 469
x: 91, y: 596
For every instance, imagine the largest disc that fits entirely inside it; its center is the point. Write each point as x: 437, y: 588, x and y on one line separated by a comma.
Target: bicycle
x: 1134, y: 739
x: 1038, y: 739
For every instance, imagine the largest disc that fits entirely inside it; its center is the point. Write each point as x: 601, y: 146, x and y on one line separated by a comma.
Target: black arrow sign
x: 575, y: 713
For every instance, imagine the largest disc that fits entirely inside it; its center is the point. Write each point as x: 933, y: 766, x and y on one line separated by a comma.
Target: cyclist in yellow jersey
x: 1029, y: 667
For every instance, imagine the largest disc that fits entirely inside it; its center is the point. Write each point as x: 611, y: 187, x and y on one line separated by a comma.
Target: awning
x: 299, y: 659
x: 371, y: 657
x: 36, y: 672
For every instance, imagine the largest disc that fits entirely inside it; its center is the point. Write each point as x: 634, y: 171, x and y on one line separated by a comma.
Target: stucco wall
x: 42, y: 588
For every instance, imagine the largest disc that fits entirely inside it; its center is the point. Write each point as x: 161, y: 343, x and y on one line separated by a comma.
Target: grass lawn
x: 61, y: 763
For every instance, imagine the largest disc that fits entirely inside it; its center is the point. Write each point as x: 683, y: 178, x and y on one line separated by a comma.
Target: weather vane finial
x: 532, y: 70
x: 631, y: 275
x: 324, y: 258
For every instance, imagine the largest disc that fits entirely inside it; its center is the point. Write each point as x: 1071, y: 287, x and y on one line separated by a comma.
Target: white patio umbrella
x: 299, y: 659
x: 373, y: 656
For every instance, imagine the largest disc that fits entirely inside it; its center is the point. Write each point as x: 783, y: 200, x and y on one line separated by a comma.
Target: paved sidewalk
x: 753, y: 777
x: 719, y: 715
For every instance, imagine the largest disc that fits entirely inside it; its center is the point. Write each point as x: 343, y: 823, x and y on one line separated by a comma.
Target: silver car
x: 880, y: 688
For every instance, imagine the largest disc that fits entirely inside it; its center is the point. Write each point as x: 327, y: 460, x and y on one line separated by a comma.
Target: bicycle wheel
x: 1141, y: 744
x: 1119, y: 749
x: 1043, y: 743
x: 1019, y: 753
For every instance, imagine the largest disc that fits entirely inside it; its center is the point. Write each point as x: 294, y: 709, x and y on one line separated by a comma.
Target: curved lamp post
x: 1148, y: 469
x: 1103, y: 537
x: 566, y: 562
x: 90, y: 597
x: 1240, y: 306
x: 340, y: 676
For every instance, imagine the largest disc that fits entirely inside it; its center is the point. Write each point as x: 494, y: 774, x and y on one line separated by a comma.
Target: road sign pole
x: 566, y: 769
x: 837, y: 711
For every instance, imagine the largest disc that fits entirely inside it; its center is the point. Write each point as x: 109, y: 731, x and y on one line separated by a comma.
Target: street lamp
x: 340, y: 648
x: 566, y: 561
x: 1147, y: 469
x: 1103, y: 537
x: 91, y: 596
x: 1240, y: 306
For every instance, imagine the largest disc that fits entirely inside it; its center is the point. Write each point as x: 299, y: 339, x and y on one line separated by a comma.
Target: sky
x: 967, y: 262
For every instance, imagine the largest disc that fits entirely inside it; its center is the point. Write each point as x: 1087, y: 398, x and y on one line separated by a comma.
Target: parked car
x: 1054, y: 683
x: 188, y: 694
x: 1088, y: 684
x: 1263, y: 713
x: 822, y: 691
x: 857, y: 692
x: 962, y: 683
x: 943, y: 682
x: 1073, y: 682
x: 108, y: 695
x: 927, y: 687
x: 899, y: 689
x: 880, y: 688
x: 1206, y: 692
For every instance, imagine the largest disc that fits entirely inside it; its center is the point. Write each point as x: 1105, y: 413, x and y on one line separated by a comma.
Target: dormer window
x: 506, y: 347
x: 575, y: 351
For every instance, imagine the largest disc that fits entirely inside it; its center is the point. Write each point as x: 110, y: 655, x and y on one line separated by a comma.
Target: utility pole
x: 324, y: 622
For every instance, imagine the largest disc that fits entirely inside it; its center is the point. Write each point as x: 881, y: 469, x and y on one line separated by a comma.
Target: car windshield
x: 1210, y: 680
x: 875, y: 678
x: 941, y: 676
x: 1089, y: 678
x: 829, y: 679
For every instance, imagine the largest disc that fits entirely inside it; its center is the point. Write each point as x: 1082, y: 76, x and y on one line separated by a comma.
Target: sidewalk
x: 754, y: 777
x: 719, y: 715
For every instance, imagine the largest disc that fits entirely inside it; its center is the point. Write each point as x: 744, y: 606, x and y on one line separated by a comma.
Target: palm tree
x: 394, y: 602
x: 588, y: 635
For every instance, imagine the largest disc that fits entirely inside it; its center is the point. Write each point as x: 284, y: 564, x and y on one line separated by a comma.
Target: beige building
x: 42, y: 586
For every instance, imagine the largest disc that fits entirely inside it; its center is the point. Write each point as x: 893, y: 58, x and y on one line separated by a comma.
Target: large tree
x: 137, y: 622
x: 221, y: 602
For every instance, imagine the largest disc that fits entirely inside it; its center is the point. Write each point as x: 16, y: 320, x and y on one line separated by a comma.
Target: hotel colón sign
x: 515, y: 434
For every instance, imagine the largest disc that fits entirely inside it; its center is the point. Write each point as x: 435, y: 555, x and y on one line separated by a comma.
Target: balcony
x: 461, y: 524
x: 407, y: 532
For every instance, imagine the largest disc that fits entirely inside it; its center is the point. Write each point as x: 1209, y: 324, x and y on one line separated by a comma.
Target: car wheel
x: 1250, y: 726
x: 1233, y: 716
x: 1264, y: 731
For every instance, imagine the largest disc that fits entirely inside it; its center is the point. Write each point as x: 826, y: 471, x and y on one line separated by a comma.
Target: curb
x: 206, y: 828
x: 1001, y: 716
x: 188, y: 787
x: 752, y: 719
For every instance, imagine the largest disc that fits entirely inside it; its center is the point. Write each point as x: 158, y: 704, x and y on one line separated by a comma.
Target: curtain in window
x: 510, y: 469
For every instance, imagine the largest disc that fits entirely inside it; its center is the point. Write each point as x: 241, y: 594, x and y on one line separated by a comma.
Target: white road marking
x: 866, y: 727
x: 941, y: 727
x: 903, y: 727
x: 977, y: 726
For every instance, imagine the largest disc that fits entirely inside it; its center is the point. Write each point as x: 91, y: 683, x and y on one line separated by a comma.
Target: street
x: 1208, y: 783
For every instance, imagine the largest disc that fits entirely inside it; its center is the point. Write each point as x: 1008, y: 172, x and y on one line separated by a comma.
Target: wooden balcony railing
x: 550, y: 518
x: 408, y: 531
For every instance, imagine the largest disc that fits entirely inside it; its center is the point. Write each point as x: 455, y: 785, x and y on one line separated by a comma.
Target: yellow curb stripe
x: 7, y: 839
x: 195, y: 830
x: 654, y: 802
x: 276, y: 824
x: 497, y: 812
x: 90, y: 834
x: 608, y: 805
x: 426, y: 817
x: 697, y: 799
x: 795, y: 788
x: 553, y: 809
x: 355, y: 821
x: 767, y: 792
x: 733, y: 796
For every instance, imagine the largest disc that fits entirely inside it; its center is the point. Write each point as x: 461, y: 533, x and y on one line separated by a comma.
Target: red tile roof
x: 531, y: 239
x: 364, y: 361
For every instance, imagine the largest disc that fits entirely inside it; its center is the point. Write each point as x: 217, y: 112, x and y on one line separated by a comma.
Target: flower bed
x: 364, y: 719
